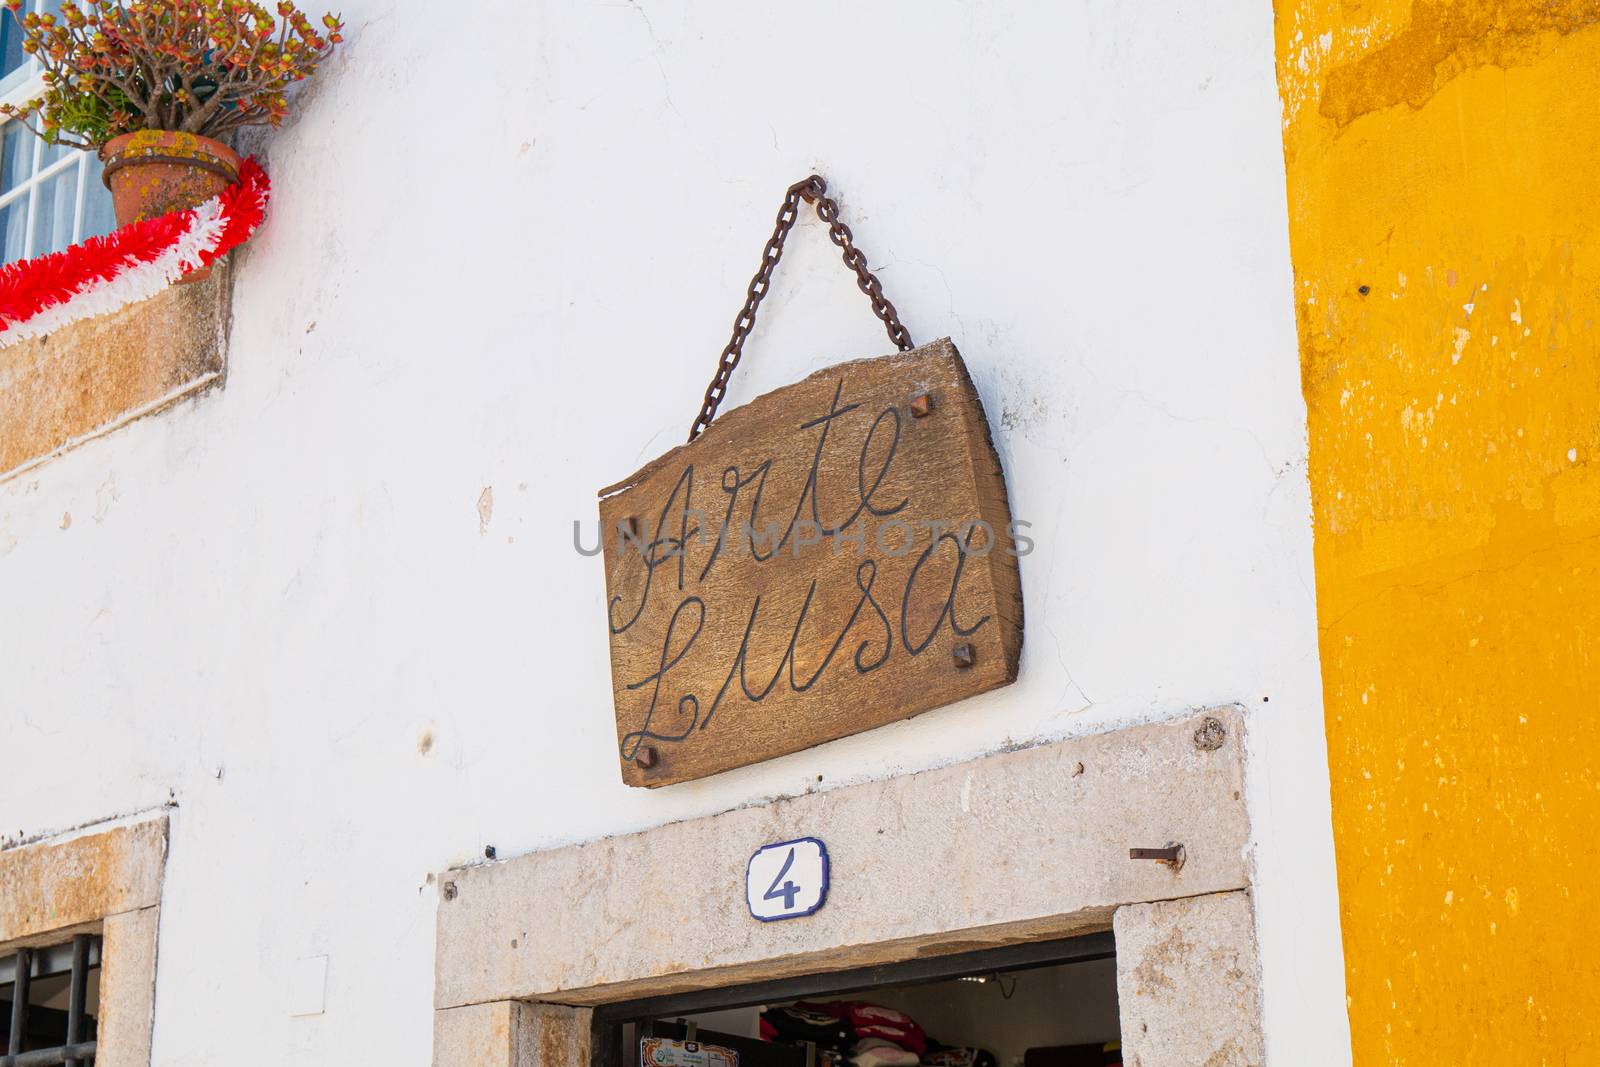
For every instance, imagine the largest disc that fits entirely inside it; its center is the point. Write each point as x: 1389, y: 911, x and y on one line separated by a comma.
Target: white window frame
x: 30, y: 86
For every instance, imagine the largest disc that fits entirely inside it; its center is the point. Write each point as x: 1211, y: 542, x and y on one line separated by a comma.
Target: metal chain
x: 813, y: 190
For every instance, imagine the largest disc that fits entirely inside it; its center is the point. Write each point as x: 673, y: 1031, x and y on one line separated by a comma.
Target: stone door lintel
x: 1020, y: 845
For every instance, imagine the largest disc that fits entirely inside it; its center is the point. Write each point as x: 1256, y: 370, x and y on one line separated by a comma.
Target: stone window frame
x: 104, y: 880
x: 93, y: 377
x: 528, y: 947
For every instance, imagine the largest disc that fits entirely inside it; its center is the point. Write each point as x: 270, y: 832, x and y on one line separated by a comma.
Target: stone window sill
x: 87, y: 379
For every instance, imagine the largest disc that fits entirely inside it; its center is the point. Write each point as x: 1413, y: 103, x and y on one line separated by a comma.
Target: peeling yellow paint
x: 1440, y: 40
x: 1444, y: 197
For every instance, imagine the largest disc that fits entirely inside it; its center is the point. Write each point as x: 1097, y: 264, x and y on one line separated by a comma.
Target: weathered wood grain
x: 820, y: 561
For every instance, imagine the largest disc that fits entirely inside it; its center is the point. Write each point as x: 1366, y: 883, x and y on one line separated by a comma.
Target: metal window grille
x: 45, y: 1037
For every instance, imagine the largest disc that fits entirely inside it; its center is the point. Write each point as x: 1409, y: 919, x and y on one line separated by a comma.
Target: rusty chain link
x: 814, y: 190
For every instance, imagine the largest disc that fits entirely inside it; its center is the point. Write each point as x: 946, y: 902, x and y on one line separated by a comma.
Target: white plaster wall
x: 507, y: 243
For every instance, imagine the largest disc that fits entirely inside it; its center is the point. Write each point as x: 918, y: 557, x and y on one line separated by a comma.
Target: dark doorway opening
x: 1040, y: 1004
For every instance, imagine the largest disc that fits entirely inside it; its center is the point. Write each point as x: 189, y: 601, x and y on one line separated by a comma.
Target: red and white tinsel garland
x: 106, y: 274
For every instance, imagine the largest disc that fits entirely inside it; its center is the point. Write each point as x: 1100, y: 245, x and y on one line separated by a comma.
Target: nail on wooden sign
x: 833, y: 556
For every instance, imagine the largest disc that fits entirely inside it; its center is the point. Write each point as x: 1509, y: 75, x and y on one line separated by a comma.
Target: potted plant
x: 155, y: 86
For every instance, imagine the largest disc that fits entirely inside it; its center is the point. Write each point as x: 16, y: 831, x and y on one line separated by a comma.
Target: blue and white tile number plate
x: 787, y: 880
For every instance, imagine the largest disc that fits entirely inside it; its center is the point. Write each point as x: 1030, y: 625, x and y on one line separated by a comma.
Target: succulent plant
x: 193, y: 66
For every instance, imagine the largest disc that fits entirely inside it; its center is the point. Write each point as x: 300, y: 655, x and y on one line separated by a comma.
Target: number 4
x: 788, y: 890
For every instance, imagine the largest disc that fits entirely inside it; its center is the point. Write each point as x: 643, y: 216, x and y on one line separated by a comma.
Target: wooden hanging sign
x: 830, y: 557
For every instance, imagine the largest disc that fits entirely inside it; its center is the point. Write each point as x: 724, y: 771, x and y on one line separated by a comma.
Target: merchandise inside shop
x: 978, y: 1010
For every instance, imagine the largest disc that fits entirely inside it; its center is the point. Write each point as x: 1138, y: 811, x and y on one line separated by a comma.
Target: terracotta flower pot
x: 152, y: 172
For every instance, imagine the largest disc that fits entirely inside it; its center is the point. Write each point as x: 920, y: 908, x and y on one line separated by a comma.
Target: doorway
x: 956, y: 872
x: 1042, y: 1004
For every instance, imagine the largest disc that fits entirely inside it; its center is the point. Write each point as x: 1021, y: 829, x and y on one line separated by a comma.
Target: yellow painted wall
x: 1444, y: 202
